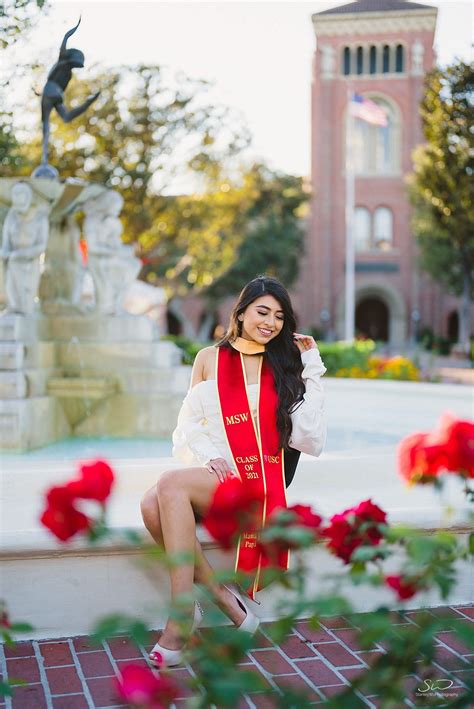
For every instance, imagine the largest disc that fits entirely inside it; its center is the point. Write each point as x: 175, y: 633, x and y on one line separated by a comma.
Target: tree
x: 442, y: 186
x: 273, y: 242
x: 17, y: 16
x: 212, y: 243
x: 146, y: 128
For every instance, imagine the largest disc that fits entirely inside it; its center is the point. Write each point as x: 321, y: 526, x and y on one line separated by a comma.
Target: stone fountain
x: 66, y: 368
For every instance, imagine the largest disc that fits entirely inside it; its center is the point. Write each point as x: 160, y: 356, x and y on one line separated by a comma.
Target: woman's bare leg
x: 167, y: 510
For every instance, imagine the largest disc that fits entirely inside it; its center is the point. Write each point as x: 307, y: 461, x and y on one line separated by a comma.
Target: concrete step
x: 24, y: 383
x: 17, y: 355
x: 13, y: 385
x: 141, y: 415
x: 105, y: 356
x: 103, y: 328
x: 136, y: 380
x: 62, y: 590
x: 12, y: 355
x: 77, y: 327
x: 31, y: 423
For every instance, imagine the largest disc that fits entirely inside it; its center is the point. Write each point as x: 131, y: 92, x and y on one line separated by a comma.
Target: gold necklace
x: 247, y: 347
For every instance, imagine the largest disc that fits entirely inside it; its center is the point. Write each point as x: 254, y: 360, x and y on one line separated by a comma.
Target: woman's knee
x: 149, y: 507
x: 168, y: 484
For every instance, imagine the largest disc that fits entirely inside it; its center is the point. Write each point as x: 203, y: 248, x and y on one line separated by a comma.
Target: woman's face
x: 262, y: 320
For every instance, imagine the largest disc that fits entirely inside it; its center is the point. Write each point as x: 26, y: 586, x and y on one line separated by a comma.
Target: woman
x: 256, y: 392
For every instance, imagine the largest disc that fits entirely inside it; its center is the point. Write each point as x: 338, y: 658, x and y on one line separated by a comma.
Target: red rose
x: 342, y: 540
x: 306, y: 517
x: 5, y: 622
x: 403, y: 588
x: 420, y: 458
x: 61, y: 516
x: 231, y: 511
x: 95, y: 482
x: 60, y: 496
x: 367, y: 510
x: 354, y: 527
x: 450, y: 447
x: 64, y: 521
x: 140, y: 687
x: 274, y: 542
x: 458, y: 439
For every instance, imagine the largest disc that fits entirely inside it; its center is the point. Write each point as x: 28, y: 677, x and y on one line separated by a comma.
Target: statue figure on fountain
x: 112, y: 263
x: 53, y: 97
x: 25, y: 236
x: 61, y: 283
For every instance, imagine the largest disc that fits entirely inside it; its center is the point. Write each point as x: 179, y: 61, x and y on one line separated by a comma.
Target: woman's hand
x: 304, y: 342
x: 220, y: 467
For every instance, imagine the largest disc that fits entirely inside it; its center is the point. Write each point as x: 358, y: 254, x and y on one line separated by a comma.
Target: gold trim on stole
x: 259, y: 444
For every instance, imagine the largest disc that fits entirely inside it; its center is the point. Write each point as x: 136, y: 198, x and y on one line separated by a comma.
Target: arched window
x: 361, y: 229
x: 399, y: 59
x: 346, y: 61
x: 383, y: 228
x: 373, y: 60
x: 360, y: 60
x: 386, y: 59
x: 376, y: 149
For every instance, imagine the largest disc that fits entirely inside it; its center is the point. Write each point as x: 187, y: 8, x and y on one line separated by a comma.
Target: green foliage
x: 189, y: 348
x: 409, y: 649
x: 12, y: 158
x: 441, y: 187
x: 16, y: 17
x: 214, y: 242
x: 341, y: 355
x: 273, y: 232
x: 120, y: 624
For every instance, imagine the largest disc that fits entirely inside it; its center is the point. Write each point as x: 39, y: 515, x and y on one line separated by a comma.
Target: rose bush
x: 359, y: 537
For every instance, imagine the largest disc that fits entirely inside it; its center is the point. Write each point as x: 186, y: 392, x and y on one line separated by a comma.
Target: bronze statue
x: 53, y: 97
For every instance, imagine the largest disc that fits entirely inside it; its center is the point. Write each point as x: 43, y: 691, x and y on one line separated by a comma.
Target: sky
x: 256, y: 54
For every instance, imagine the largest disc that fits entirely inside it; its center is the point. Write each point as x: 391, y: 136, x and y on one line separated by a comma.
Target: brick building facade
x: 380, y: 49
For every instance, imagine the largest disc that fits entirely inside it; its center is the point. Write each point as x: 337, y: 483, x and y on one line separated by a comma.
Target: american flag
x: 367, y: 110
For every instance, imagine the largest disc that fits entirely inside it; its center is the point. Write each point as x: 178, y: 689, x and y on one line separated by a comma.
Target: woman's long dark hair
x: 281, y: 352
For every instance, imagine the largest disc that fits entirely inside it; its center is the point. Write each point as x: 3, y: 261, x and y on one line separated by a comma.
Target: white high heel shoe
x: 251, y: 622
x: 164, y: 657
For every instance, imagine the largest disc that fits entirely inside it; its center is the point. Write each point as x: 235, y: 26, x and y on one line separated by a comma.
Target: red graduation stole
x: 255, y: 451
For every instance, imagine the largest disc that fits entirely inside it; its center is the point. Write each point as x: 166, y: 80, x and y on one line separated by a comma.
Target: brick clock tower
x: 380, y: 49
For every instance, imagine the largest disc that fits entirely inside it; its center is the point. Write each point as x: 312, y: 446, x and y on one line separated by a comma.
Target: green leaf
x: 132, y: 536
x: 108, y: 626
x: 21, y: 627
x: 138, y: 632
x: 5, y: 689
x: 471, y: 543
x: 465, y: 631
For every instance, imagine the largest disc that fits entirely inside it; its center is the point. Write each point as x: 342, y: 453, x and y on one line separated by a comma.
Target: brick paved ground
x: 71, y: 673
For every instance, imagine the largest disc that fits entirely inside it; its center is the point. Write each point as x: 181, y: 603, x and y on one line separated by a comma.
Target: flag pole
x: 349, y: 330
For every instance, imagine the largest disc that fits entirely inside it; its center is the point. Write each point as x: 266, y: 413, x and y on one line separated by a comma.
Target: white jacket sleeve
x: 308, y: 420
x: 191, y: 442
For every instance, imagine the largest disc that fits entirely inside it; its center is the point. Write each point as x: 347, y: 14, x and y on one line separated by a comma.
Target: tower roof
x: 375, y: 6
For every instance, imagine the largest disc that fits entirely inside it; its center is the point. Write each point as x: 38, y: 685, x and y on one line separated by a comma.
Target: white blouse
x: 200, y: 437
